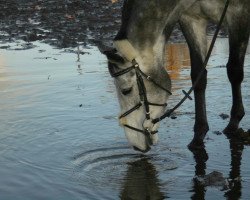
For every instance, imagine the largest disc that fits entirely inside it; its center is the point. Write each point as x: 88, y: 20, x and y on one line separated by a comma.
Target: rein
x: 187, y: 94
x: 143, y: 92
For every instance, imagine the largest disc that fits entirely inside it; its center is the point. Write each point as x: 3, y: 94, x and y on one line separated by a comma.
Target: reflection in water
x: 236, y: 147
x: 78, y: 53
x: 79, y: 69
x: 177, y: 59
x: 1, y: 61
x: 2, y: 73
x: 45, y: 116
x: 235, y: 186
x: 141, y: 182
x: 200, y: 157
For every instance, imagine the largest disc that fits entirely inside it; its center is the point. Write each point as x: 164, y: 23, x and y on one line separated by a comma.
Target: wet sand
x: 65, y: 23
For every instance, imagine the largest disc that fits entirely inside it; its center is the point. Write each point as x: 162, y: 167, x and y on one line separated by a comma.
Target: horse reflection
x: 237, y: 148
x: 177, y: 57
x: 141, y: 182
x: 201, y: 156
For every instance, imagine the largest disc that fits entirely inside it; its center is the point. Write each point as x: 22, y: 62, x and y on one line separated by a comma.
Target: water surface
x: 60, y: 139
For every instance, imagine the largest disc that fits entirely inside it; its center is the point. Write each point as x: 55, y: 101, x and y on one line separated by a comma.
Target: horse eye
x: 127, y: 91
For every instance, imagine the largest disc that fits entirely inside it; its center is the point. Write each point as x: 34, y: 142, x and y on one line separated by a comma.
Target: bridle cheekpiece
x: 140, y: 77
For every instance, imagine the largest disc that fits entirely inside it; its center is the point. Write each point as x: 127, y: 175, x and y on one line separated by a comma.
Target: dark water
x: 60, y: 139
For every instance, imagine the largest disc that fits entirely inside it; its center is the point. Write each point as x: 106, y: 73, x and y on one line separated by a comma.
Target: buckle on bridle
x: 135, y: 64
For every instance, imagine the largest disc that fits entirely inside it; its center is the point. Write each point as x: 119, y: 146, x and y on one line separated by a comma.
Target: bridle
x: 143, y: 92
x: 140, y: 77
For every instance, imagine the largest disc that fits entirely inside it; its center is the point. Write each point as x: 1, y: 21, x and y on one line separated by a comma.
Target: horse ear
x: 126, y: 49
x: 114, y: 57
x: 111, y: 53
x: 103, y: 47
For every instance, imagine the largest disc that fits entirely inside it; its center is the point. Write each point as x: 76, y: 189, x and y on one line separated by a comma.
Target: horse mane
x: 126, y: 15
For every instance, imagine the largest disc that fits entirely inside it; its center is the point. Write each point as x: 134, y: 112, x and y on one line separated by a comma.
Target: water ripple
x: 112, y: 166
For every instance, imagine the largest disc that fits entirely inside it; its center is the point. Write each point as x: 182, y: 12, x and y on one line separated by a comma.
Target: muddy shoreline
x: 64, y: 23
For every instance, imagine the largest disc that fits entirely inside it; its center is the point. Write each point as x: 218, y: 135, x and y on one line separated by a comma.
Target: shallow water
x: 60, y: 139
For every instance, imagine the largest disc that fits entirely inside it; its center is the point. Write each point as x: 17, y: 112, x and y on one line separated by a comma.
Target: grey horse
x: 140, y: 54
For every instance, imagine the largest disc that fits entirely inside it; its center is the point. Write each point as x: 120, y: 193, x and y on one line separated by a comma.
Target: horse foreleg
x: 194, y: 30
x: 238, y: 40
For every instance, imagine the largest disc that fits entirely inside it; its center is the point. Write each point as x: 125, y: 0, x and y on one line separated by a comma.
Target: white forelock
x: 126, y: 49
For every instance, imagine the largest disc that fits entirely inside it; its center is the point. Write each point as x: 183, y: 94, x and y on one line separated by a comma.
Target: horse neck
x: 148, y: 33
x: 147, y: 19
x: 151, y: 55
x: 145, y: 25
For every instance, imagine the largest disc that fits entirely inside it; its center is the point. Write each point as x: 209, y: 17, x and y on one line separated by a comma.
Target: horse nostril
x: 126, y: 91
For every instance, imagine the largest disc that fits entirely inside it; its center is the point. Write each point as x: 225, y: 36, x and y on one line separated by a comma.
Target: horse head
x: 142, y: 92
